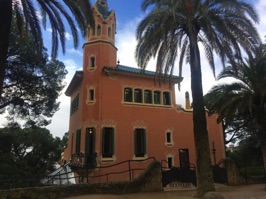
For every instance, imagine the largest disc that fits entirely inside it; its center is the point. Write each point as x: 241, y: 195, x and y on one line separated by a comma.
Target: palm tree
x: 246, y: 96
x: 223, y: 27
x: 77, y: 14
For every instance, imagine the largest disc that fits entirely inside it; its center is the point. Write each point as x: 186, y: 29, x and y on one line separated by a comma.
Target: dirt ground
x: 229, y: 192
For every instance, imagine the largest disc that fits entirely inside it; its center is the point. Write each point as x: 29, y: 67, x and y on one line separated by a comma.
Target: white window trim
x: 169, y: 144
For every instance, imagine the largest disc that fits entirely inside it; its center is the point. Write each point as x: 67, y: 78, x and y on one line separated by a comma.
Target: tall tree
x: 27, y: 154
x: 246, y: 96
x: 221, y: 26
x: 77, y: 14
x: 32, y: 83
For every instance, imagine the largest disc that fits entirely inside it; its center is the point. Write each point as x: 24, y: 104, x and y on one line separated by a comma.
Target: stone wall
x: 149, y: 181
x: 235, y: 177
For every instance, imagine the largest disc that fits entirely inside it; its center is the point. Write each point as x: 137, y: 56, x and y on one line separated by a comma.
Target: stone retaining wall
x: 148, y: 181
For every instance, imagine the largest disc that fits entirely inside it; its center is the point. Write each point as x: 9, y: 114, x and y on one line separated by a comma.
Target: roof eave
x: 77, y: 78
x: 113, y: 70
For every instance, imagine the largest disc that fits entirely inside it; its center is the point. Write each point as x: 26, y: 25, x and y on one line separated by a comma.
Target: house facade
x: 122, y: 113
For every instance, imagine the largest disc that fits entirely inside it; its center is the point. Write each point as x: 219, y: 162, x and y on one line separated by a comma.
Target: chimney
x: 187, y: 101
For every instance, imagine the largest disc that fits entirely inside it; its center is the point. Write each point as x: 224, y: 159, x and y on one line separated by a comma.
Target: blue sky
x: 128, y: 14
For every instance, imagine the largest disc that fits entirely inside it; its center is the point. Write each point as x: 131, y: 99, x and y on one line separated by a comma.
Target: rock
x: 213, y: 195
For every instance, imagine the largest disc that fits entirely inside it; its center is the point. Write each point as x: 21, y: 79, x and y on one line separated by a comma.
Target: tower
x: 99, y: 49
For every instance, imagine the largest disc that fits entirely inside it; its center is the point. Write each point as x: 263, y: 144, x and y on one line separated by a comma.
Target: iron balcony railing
x: 83, y: 161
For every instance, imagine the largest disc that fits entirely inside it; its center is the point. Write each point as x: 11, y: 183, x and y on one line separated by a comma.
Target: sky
x: 128, y: 15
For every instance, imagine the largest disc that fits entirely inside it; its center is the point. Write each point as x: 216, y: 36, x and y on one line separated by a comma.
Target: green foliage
x: 174, y: 28
x: 242, y: 103
x: 247, y: 154
x: 27, y: 153
x: 32, y: 82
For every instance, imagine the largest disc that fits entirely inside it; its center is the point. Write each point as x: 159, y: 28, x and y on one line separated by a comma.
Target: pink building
x: 120, y: 113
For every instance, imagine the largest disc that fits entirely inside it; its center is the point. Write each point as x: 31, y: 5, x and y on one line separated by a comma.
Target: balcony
x: 83, y: 161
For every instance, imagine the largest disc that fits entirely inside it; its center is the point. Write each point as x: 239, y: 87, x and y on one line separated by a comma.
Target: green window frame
x: 74, y: 104
x: 78, y: 140
x: 147, y: 96
x: 128, y: 94
x: 140, y: 142
x: 107, y: 142
x: 166, y: 98
x: 138, y: 95
x: 157, y: 97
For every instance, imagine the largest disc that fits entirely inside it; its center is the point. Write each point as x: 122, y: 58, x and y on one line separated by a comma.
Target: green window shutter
x: 112, y: 141
x: 108, y: 142
x: 140, y: 142
x: 103, y: 142
x: 87, y: 141
x: 135, y: 142
x: 144, y: 142
x: 78, y: 137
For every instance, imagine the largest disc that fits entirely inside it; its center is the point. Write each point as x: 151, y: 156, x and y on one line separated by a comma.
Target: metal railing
x: 57, y: 178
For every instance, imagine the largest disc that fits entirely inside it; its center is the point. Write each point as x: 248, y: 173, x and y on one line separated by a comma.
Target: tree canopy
x: 245, y: 98
x: 33, y: 82
x: 175, y: 28
x: 28, y: 153
x: 30, y: 15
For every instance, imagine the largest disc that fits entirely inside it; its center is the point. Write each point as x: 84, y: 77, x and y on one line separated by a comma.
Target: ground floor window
x: 170, y: 162
x: 107, y: 142
x: 78, y: 139
x: 140, y: 142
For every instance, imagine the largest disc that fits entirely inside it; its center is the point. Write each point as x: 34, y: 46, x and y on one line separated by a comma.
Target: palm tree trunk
x: 205, y: 181
x: 5, y: 24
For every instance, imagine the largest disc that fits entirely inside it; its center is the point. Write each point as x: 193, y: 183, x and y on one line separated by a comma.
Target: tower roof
x: 102, y: 7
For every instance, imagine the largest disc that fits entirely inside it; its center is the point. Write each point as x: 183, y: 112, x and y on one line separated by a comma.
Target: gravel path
x: 229, y: 192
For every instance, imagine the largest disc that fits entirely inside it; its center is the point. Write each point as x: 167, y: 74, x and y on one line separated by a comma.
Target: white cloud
x: 73, y: 51
x: 261, y: 8
x: 68, y: 36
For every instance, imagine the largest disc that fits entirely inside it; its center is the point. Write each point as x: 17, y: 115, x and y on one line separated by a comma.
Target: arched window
x: 128, y: 94
x: 147, y: 97
x: 138, y: 95
x: 109, y: 32
x: 166, y: 98
x: 157, y: 97
x: 99, y: 30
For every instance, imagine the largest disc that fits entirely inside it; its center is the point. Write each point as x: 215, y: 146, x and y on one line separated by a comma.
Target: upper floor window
x: 166, y: 98
x: 99, y: 30
x: 157, y: 97
x: 138, y: 95
x: 107, y: 142
x: 113, y: 31
x: 147, y: 96
x: 109, y: 32
x: 128, y: 94
x: 91, y: 95
x: 74, y: 104
x: 169, y: 139
x: 140, y: 142
x: 92, y: 62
